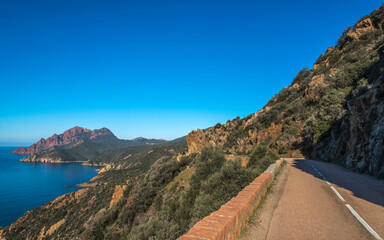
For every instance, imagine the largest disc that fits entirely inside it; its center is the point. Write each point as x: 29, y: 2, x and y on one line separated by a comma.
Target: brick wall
x: 227, y: 222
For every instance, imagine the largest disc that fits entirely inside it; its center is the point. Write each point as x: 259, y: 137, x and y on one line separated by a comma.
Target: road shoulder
x: 258, y: 226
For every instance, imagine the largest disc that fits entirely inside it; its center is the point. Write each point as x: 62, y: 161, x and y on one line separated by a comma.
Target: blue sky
x: 156, y: 69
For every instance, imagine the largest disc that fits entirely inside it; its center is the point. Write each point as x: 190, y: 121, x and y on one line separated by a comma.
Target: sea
x: 25, y: 186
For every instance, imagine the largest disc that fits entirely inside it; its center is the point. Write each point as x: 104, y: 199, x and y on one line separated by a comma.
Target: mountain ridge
x: 74, y: 135
x: 66, y: 138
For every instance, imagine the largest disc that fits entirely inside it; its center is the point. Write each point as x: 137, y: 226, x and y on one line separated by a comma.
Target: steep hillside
x: 143, y: 195
x: 84, y: 212
x: 333, y: 112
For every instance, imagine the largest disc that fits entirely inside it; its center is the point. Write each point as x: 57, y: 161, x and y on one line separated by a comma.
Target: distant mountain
x: 67, y: 138
x: 142, y: 138
x: 80, y: 145
x: 104, y: 137
x: 144, y: 141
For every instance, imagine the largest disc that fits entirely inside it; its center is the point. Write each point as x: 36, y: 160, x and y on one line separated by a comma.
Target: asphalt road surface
x: 318, y: 200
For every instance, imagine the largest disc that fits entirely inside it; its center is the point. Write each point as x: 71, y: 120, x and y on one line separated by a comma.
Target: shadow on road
x: 362, y: 186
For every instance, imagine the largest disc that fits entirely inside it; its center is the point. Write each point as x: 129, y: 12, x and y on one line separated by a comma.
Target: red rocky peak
x: 70, y: 136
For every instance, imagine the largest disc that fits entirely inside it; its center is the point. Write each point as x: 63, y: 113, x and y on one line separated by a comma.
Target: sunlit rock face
x: 68, y: 137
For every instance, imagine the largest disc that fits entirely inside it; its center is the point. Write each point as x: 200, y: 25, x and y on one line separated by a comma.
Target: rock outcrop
x: 197, y: 139
x: 117, y: 194
x: 358, y: 140
x: 43, y: 234
x: 68, y: 137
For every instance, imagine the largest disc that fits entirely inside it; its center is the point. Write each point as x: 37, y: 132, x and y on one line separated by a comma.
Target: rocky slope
x: 333, y: 112
x: 145, y: 195
x: 68, y: 137
x: 357, y: 140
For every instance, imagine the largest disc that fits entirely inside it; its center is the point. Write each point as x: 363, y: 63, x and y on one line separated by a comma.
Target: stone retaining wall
x: 227, y: 222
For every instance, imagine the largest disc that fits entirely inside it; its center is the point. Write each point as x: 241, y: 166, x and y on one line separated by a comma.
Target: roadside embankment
x: 233, y: 216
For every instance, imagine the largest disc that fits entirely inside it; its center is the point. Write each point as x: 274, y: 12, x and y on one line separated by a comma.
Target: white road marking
x: 364, y: 223
x: 338, y: 194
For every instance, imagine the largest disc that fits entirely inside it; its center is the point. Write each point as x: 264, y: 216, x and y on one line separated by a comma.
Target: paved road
x: 303, y: 204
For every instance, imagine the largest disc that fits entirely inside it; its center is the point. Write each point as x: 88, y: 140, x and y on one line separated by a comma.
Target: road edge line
x: 338, y: 194
x: 364, y: 223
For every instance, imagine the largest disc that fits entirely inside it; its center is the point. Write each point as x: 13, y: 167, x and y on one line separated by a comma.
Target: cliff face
x: 333, y: 112
x: 358, y: 139
x: 68, y: 137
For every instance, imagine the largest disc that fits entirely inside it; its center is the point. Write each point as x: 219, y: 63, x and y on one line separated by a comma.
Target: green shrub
x: 334, y: 58
x: 209, y: 162
x: 320, y: 130
x: 320, y: 58
x: 295, y: 131
x: 343, y: 37
x: 220, y: 187
x: 256, y: 155
x: 269, y: 117
x: 303, y: 74
x: 274, y: 157
x: 282, y: 151
x: 155, y: 228
x: 174, y: 187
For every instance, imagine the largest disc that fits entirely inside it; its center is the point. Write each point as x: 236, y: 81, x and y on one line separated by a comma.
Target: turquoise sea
x: 24, y: 186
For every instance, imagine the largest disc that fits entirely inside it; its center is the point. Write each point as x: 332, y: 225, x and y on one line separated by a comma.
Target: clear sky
x: 155, y: 69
